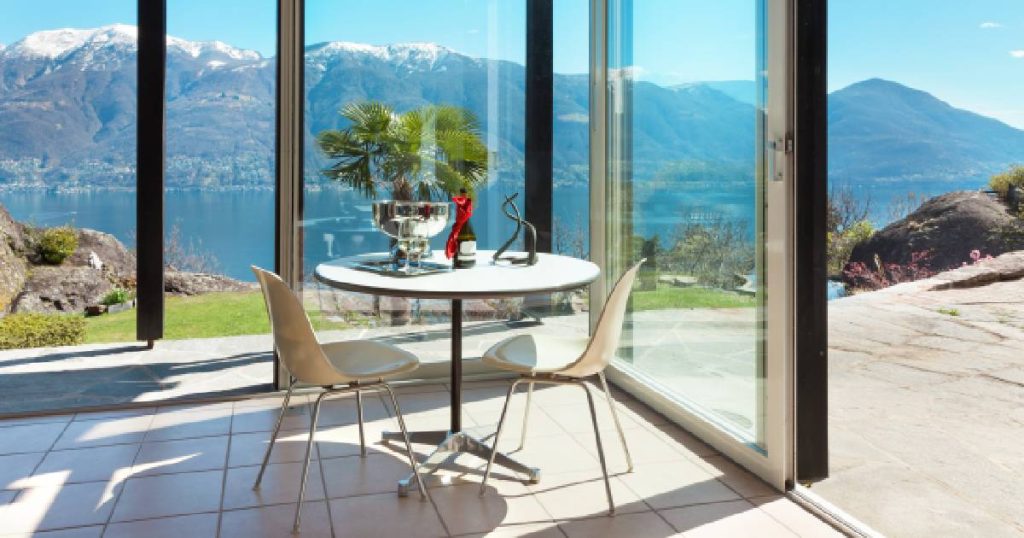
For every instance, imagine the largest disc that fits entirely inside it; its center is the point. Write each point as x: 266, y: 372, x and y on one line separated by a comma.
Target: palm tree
x: 428, y: 153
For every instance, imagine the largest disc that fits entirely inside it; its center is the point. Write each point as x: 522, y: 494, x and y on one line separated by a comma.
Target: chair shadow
x: 26, y: 392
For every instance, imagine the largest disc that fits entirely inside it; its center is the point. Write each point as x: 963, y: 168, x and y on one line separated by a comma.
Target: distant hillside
x: 883, y: 131
x: 67, y: 117
x: 67, y: 110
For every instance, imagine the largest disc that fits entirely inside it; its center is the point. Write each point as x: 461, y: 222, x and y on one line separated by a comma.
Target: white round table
x: 485, y: 280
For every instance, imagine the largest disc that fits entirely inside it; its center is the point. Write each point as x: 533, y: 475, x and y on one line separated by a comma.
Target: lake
x: 237, y: 227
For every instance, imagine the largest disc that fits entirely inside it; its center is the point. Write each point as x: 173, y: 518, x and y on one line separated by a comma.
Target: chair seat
x: 535, y: 354
x: 359, y: 360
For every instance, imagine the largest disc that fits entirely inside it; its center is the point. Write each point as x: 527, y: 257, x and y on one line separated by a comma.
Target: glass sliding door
x: 685, y: 185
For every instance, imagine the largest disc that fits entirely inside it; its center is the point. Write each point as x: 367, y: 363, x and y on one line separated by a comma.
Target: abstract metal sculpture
x: 529, y: 240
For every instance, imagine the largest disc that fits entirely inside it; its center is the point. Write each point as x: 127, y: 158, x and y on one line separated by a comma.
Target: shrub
x: 56, y: 244
x: 1001, y: 182
x: 41, y: 330
x: 116, y: 296
x: 839, y: 244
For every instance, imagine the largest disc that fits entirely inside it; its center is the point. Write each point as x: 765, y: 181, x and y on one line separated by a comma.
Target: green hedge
x: 56, y: 244
x: 41, y: 330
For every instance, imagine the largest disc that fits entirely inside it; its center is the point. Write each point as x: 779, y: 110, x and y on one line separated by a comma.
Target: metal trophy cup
x: 410, y: 225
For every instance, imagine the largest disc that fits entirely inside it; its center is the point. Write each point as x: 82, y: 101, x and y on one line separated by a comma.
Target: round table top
x: 485, y: 280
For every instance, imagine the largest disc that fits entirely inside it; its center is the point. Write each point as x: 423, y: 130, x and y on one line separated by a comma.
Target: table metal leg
x: 455, y: 441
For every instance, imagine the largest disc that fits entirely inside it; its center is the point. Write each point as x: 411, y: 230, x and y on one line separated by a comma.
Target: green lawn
x: 200, y: 316
x: 666, y: 297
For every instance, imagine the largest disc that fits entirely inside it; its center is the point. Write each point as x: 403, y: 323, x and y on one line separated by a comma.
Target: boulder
x: 185, y: 283
x: 62, y: 288
x: 98, y: 248
x: 13, y: 270
x: 948, y: 228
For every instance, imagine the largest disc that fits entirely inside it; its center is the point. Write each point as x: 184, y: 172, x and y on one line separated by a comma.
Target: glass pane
x: 67, y: 178
x: 220, y: 181
x: 684, y: 172
x: 408, y: 58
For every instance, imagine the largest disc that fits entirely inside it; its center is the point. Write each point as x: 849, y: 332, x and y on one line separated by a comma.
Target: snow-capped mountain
x: 67, y: 109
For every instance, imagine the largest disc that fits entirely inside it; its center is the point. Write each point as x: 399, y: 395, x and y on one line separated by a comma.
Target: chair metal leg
x: 273, y: 436
x: 359, y: 412
x: 600, y: 447
x: 305, y: 464
x: 408, y: 445
x: 618, y: 425
x: 497, y: 435
x: 526, y: 416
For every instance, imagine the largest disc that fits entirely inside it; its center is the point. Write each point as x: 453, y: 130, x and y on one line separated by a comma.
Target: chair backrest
x: 605, y: 340
x: 294, y: 338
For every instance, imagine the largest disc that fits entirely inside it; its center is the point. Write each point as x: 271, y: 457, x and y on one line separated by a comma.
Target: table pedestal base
x: 449, y: 446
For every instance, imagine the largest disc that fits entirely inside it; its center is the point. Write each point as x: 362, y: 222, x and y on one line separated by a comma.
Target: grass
x: 666, y: 297
x: 200, y: 316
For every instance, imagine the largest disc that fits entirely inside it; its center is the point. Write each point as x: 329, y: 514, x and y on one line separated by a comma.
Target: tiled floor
x: 187, y: 471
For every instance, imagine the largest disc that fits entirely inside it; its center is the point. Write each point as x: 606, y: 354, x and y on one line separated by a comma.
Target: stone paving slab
x: 926, y: 385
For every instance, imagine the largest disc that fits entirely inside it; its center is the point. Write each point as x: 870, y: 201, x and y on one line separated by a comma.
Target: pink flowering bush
x: 859, y: 277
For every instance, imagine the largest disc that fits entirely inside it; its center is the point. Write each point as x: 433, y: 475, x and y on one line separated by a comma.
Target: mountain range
x: 67, y: 116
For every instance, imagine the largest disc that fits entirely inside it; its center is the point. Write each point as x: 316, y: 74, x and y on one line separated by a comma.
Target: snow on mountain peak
x: 53, y: 44
x: 398, y: 53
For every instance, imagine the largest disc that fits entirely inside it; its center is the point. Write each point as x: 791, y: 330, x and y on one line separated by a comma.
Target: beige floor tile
x: 575, y: 418
x: 556, y: 454
x: 641, y: 525
x: 29, y: 437
x: 257, y: 419
x: 582, y: 494
x: 270, y: 402
x: 672, y: 484
x: 15, y: 467
x: 385, y: 515
x: 795, y: 518
x: 95, y: 464
x: 539, y: 423
x: 354, y: 475
x: 116, y: 431
x: 42, y: 419
x: 737, y: 478
x: 46, y: 503
x: 168, y: 495
x: 191, y: 526
x: 78, y: 532
x: 734, y: 519
x: 341, y: 441
x: 417, y: 388
x: 339, y: 411
x: 276, y: 521
x: 202, y: 407
x: 644, y: 447
x: 180, y: 456
x: 465, y: 511
x: 531, y: 530
x: 114, y: 414
x: 248, y: 448
x: 188, y: 424
x: 682, y: 441
x: 280, y: 485
x: 552, y: 395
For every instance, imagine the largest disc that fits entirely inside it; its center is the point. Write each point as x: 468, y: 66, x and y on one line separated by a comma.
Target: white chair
x: 562, y: 361
x: 337, y: 367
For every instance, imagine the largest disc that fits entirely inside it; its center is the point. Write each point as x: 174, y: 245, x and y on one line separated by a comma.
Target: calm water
x: 237, y: 228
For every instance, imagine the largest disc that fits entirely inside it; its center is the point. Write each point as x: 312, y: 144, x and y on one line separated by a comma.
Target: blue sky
x: 963, y: 52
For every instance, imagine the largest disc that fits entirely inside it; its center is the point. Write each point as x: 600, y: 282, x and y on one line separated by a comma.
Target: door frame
x: 773, y: 460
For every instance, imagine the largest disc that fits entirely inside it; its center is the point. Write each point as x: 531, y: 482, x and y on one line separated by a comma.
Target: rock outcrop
x: 62, y: 288
x: 948, y: 228
x: 184, y: 283
x: 13, y: 269
x: 115, y: 259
